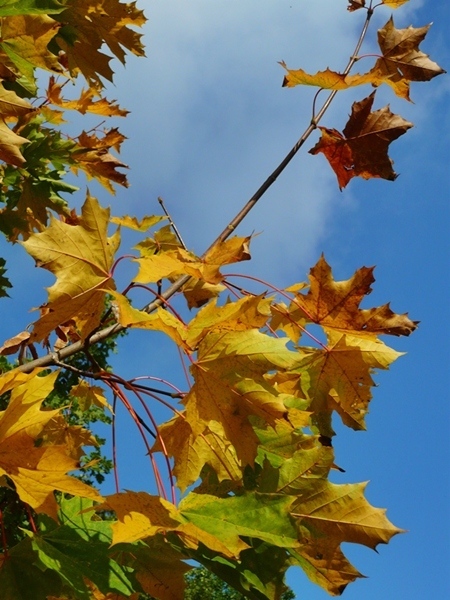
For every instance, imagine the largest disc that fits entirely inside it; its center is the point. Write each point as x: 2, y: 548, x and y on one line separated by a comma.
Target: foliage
x: 249, y: 443
x: 201, y: 583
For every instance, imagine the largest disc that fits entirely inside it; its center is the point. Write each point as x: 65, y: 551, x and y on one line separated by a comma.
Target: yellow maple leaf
x: 89, y: 394
x: 138, y: 224
x: 57, y: 432
x: 25, y: 40
x: 177, y: 261
x: 328, y: 79
x: 35, y: 471
x: 80, y: 256
x: 159, y: 320
x: 221, y: 395
x: 341, y: 513
x: 10, y: 143
x: 192, y: 452
x: 340, y: 377
x: 250, y: 312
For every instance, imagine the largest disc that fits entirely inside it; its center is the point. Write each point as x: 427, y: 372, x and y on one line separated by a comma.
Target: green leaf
x: 21, y: 579
x: 30, y: 7
x: 262, y: 516
x: 80, y: 548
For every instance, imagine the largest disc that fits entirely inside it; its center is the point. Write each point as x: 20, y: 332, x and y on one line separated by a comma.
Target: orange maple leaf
x: 336, y: 304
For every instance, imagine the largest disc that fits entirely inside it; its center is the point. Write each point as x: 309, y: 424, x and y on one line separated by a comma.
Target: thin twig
x: 172, y: 224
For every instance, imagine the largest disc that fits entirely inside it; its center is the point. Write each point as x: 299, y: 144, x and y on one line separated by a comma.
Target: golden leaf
x: 80, y: 256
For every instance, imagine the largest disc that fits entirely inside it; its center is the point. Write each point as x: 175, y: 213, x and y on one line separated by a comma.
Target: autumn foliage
x: 241, y: 469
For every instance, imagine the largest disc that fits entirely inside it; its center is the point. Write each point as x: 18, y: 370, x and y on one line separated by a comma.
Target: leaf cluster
x: 248, y: 448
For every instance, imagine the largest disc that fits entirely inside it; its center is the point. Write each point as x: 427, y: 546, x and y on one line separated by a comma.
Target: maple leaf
x: 25, y: 40
x: 336, y: 304
x: 163, y: 240
x: 250, y: 312
x: 22, y: 579
x: 78, y: 551
x: 341, y: 513
x: 221, y: 395
x: 138, y: 224
x: 73, y: 437
x: 327, y: 79
x: 192, y: 452
x: 175, y: 262
x: 10, y: 143
x: 30, y: 7
x: 357, y: 4
x: 394, y: 3
x: 141, y: 515
x: 159, y: 570
x: 93, y: 157
x: 87, y: 26
x: 340, y: 378
x: 362, y: 150
x: 12, y: 105
x: 80, y: 256
x: 35, y: 471
x: 159, y: 320
x: 86, y: 103
x: 402, y: 61
x: 251, y: 515
x: 88, y: 395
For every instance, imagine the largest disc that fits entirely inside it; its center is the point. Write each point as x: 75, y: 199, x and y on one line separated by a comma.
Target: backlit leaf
x: 80, y: 256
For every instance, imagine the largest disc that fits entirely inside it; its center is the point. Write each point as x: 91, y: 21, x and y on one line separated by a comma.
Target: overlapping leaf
x: 172, y: 263
x: 108, y: 22
x: 92, y: 155
x: 89, y: 101
x: 141, y: 515
x: 78, y: 551
x: 338, y: 376
x: 36, y: 471
x: 30, y: 7
x: 222, y: 395
x: 25, y: 40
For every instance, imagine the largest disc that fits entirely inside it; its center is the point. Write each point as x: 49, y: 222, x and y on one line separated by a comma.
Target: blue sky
x: 209, y: 122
